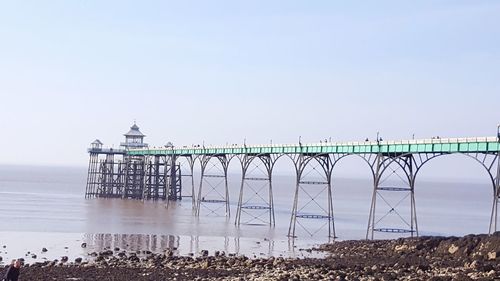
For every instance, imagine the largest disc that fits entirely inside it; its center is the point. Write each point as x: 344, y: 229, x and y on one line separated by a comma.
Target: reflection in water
x: 132, y: 242
x: 183, y: 245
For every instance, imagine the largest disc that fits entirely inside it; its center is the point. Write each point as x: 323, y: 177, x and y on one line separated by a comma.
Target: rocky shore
x: 473, y: 257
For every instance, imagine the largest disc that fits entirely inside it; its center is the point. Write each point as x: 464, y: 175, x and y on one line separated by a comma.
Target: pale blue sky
x: 222, y: 71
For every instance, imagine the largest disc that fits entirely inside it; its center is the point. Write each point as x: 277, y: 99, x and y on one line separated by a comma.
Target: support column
x: 134, y: 177
x: 154, y: 178
x: 91, y: 175
x: 496, y: 196
x: 188, y: 174
x: 257, y: 179
x: 107, y: 180
x: 394, y: 182
x: 315, y: 186
x: 213, y: 184
x: 145, y: 177
x: 173, y: 179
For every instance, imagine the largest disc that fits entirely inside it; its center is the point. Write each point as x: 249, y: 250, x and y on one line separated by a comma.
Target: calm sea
x: 45, y: 207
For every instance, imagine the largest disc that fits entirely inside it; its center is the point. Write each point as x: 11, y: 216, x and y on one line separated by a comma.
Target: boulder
x: 452, y: 249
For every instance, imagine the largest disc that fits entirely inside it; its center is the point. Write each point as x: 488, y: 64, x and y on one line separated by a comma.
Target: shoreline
x: 28, y: 245
x: 472, y: 257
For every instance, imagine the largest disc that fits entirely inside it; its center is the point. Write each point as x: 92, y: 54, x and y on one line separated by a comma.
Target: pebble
x: 350, y: 260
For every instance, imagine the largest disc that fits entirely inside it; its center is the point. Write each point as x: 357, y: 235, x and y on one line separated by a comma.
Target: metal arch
x: 301, y: 161
x: 475, y: 156
x: 362, y: 156
x: 435, y: 155
x: 321, y: 156
x: 268, y: 160
x: 495, y: 181
x: 396, y: 159
x: 492, y: 178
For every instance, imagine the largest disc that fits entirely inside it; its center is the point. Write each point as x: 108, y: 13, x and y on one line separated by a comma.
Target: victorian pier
x: 137, y: 171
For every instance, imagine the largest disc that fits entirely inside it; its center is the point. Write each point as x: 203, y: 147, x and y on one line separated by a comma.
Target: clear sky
x: 222, y: 71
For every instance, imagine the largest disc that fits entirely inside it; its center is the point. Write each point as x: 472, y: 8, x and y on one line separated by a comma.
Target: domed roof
x: 134, y: 132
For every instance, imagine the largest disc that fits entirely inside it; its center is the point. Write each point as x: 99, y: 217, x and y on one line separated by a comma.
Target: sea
x: 45, y: 207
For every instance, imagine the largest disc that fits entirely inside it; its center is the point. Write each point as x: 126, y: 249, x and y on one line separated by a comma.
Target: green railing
x: 455, y: 145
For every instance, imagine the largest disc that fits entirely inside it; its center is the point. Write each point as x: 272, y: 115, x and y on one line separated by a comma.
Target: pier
x: 137, y: 171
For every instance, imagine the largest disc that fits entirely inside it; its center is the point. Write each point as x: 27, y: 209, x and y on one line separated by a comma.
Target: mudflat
x: 472, y: 257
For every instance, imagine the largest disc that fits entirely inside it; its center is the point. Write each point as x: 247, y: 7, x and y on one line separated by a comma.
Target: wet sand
x: 473, y: 257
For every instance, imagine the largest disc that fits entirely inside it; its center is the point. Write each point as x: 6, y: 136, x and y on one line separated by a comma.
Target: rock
x: 134, y: 258
x: 452, y: 249
x: 205, y: 264
x: 106, y: 253
x: 204, y: 253
x: 475, y: 264
x: 44, y: 250
x: 401, y: 248
x: 78, y: 260
x: 122, y: 254
x: 492, y: 255
x: 64, y: 259
x: 33, y: 256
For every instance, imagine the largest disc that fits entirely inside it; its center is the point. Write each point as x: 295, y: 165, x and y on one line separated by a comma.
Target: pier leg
x: 173, y: 179
x: 91, y: 175
x: 147, y: 178
x: 214, y: 187
x: 187, y: 171
x: 134, y: 177
x: 257, y: 178
x: 313, y: 182
x: 496, y: 196
x: 394, y: 175
x: 107, y: 184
